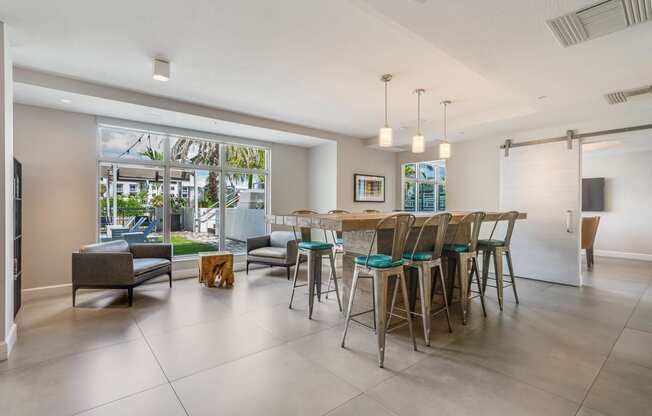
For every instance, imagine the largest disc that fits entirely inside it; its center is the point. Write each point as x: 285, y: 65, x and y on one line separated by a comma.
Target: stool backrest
x: 338, y: 211
x: 305, y: 232
x: 402, y: 225
x: 510, y: 217
x: 371, y: 211
x: 474, y: 219
x: 440, y: 224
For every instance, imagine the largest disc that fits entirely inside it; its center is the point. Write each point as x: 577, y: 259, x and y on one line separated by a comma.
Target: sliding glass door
x: 199, y: 194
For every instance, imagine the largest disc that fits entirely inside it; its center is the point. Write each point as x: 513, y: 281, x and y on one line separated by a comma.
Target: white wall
x: 289, y: 178
x: 626, y: 223
x: 354, y: 157
x: 322, y: 161
x: 472, y: 174
x: 57, y: 150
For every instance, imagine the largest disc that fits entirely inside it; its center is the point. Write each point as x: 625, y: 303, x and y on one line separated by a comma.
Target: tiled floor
x: 191, y: 350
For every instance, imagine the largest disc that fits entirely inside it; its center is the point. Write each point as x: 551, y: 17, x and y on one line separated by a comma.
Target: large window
x: 424, y: 186
x: 199, y: 194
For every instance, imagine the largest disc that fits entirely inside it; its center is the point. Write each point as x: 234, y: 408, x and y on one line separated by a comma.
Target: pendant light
x: 444, y: 146
x: 385, y: 132
x: 418, y: 141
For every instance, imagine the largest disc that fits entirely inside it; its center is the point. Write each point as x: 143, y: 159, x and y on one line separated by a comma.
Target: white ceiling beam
x: 75, y: 86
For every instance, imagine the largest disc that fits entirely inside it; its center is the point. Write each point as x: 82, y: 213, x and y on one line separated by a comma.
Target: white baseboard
x: 7, y: 345
x: 623, y: 255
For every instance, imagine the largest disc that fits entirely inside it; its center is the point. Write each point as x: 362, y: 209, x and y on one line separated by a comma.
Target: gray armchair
x: 276, y: 249
x: 118, y: 265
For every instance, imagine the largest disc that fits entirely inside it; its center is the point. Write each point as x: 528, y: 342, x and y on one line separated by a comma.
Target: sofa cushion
x: 280, y: 238
x: 145, y: 265
x: 117, y: 246
x: 273, y: 252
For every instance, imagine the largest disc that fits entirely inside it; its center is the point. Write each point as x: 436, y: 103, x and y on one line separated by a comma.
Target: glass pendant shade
x: 385, y: 136
x: 418, y: 144
x: 444, y: 150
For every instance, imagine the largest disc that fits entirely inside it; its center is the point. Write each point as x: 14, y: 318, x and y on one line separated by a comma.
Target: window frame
x: 417, y: 182
x: 167, y: 164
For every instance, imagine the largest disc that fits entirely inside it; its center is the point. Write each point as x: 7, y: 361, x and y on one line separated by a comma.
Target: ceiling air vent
x: 599, y: 19
x: 620, y: 97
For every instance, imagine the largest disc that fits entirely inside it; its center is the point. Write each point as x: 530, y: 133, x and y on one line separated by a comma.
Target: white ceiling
x: 317, y: 64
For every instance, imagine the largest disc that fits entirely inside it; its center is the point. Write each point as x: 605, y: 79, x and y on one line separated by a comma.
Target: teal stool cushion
x: 314, y: 245
x: 491, y: 243
x: 378, y: 261
x: 456, y: 248
x: 339, y: 241
x: 418, y: 256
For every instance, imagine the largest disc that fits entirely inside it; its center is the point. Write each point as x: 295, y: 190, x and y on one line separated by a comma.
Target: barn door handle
x: 569, y: 221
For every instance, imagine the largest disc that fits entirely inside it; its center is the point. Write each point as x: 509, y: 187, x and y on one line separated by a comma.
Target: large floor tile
x: 445, y: 386
x: 362, y: 405
x: 273, y: 382
x: 358, y: 362
x: 554, y: 351
x: 641, y: 319
x: 198, y: 347
x: 69, y: 336
x: 600, y: 306
x: 634, y: 346
x: 156, y: 315
x: 289, y: 324
x: 622, y: 388
x: 159, y: 401
x: 80, y: 381
x: 585, y: 411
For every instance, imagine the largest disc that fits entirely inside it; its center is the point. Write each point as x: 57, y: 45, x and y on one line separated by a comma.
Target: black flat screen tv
x: 593, y: 194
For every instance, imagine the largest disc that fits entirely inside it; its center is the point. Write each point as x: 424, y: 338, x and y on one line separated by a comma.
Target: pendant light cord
x: 386, y: 124
x: 419, y: 113
x: 445, y: 133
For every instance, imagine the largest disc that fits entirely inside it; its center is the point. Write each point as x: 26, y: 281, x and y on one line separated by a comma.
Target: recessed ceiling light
x: 161, y: 70
x: 65, y: 101
x: 542, y: 97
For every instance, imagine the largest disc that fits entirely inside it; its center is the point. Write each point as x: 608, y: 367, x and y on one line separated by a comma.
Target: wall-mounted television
x: 592, y: 194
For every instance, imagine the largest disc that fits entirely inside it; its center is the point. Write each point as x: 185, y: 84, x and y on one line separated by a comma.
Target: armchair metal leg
x: 130, y: 295
x: 74, y: 296
x: 247, y: 272
x: 170, y: 276
x: 288, y: 271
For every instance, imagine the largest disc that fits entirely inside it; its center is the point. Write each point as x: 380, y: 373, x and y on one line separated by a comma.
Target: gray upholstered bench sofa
x: 118, y: 265
x: 276, y: 249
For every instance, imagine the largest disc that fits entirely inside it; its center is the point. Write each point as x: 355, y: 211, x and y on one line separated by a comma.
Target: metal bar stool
x: 314, y: 251
x: 497, y: 248
x: 460, y: 256
x: 338, y: 241
x: 424, y: 262
x: 380, y: 267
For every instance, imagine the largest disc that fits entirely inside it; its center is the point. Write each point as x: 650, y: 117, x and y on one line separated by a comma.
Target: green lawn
x: 181, y: 246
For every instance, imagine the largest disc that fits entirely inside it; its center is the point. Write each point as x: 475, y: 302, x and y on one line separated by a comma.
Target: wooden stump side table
x: 216, y: 269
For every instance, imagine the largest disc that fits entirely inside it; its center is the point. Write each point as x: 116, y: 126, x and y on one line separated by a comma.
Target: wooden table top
x: 361, y: 221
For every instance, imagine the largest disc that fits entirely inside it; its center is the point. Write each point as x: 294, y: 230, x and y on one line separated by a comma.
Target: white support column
x: 7, y: 325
